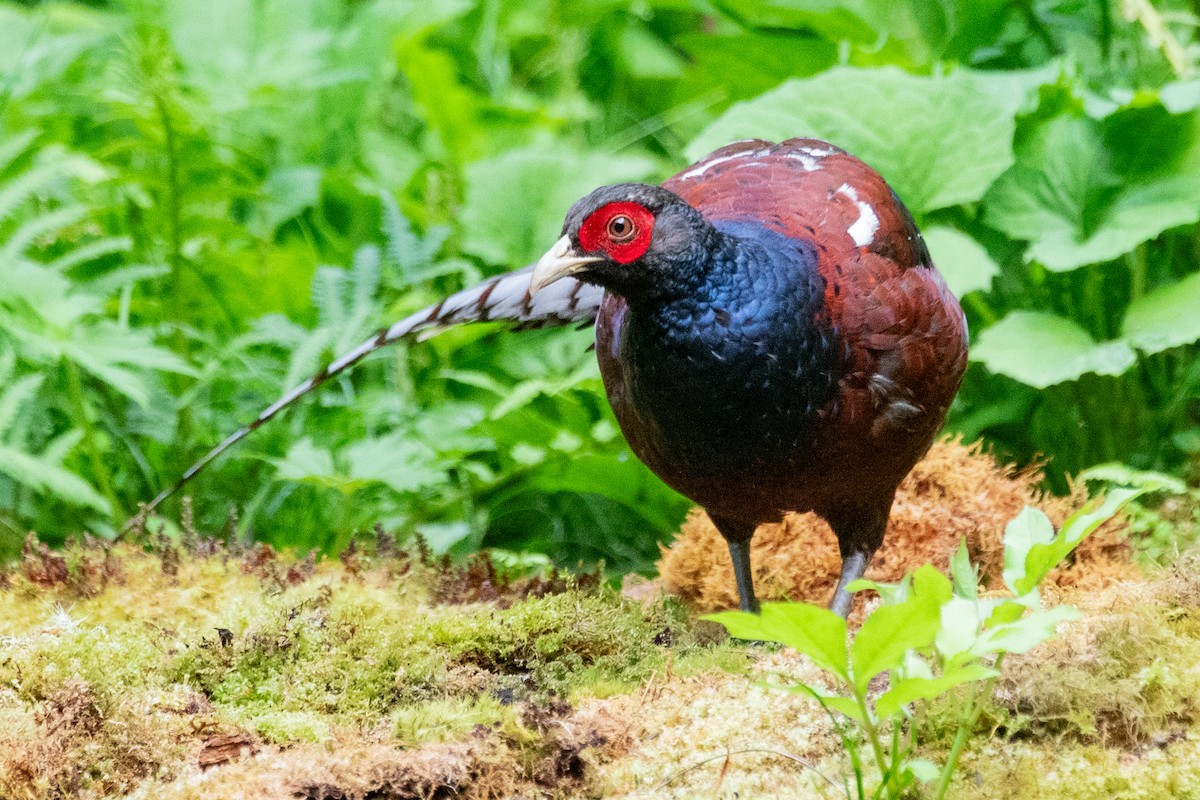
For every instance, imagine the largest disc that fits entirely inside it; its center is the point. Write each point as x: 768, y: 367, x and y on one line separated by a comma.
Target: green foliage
x: 957, y: 135
x: 930, y: 637
x: 200, y: 203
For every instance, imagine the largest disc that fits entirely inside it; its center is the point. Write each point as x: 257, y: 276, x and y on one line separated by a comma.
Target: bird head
x: 635, y: 240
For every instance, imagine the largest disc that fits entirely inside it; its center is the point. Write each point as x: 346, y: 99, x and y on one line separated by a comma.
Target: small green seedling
x: 931, y: 635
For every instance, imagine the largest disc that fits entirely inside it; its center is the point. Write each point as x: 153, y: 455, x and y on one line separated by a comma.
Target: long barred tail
x: 505, y: 298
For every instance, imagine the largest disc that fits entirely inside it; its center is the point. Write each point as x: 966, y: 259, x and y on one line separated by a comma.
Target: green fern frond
x: 39, y: 227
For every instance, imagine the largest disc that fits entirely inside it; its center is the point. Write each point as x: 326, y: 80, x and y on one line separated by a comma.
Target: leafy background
x: 202, y: 202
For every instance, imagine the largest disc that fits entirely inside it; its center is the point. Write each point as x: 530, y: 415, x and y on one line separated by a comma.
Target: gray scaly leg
x: 740, y: 553
x: 737, y: 533
x: 853, y: 567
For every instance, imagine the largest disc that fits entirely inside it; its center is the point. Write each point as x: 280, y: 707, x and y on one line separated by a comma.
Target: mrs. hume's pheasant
x: 771, y: 331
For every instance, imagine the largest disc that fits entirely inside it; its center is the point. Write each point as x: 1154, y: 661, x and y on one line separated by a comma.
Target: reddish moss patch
x: 956, y: 492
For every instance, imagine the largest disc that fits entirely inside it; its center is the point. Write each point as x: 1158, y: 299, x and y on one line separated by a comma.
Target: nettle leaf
x: 1064, y: 198
x: 516, y: 202
x: 958, y: 137
x: 1166, y: 317
x: 304, y: 461
x: 814, y: 631
x: 286, y: 193
x: 846, y: 706
x: 963, y: 262
x: 892, y: 630
x: 1042, y: 350
x: 401, y: 464
x: 910, y: 690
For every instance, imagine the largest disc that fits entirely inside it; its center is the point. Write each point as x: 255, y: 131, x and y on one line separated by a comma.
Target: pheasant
x: 771, y: 331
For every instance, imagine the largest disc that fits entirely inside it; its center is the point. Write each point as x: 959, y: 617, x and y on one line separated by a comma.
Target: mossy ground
x: 192, y: 670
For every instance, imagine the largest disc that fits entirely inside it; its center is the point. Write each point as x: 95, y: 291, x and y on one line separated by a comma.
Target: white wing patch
x: 705, y: 166
x: 863, y: 229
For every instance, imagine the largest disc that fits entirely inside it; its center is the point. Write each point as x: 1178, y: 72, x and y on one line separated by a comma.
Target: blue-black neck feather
x: 728, y: 368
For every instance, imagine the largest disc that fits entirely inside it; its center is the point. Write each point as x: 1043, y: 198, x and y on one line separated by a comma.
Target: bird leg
x: 854, y: 565
x: 737, y: 534
x: 859, y: 529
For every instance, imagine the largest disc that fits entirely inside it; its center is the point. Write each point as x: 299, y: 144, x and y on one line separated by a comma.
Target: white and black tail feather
x: 505, y: 298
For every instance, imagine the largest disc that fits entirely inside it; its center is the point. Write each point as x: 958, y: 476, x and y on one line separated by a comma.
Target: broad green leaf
x: 1139, y: 213
x: 892, y: 630
x: 1180, y: 97
x: 1044, y: 556
x: 911, y: 690
x: 1017, y: 86
x: 835, y: 20
x: 845, y: 706
x: 761, y: 59
x: 1120, y: 474
x: 814, y: 631
x: 1063, y: 197
x: 1166, y: 317
x: 1041, y: 350
x: 1030, y: 527
x: 646, y: 56
x: 964, y: 263
x: 516, y: 202
x: 957, y: 138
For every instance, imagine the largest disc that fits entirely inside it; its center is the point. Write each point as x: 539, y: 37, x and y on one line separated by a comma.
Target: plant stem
x: 174, y: 209
x: 90, y: 446
x: 873, y: 735
x: 965, y: 725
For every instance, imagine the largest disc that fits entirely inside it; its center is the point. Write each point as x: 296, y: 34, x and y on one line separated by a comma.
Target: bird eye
x: 621, y: 228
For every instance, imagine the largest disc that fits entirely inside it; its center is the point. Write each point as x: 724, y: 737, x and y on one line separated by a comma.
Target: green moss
x: 449, y: 719
x: 289, y: 727
x: 1049, y: 771
x: 1125, y: 674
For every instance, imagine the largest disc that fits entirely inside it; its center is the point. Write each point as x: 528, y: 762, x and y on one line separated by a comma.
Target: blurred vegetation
x: 202, y: 202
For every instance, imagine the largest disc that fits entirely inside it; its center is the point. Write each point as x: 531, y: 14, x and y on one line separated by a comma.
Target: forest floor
x: 195, y: 669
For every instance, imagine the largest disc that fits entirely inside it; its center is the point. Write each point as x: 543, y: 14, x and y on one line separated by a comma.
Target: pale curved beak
x: 559, y: 262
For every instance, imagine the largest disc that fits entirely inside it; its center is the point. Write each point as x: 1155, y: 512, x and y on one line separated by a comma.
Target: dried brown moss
x: 77, y: 743
x: 549, y: 751
x: 956, y: 492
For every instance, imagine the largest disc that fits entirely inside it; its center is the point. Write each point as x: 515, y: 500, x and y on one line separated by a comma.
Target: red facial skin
x: 594, y: 234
